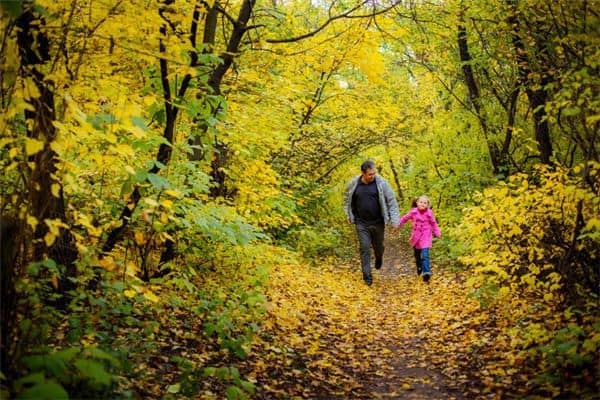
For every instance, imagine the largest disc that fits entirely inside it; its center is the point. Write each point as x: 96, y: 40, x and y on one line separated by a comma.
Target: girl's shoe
x: 419, y: 270
x: 426, y: 277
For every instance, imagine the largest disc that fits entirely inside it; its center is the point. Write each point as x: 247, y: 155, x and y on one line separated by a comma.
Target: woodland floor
x: 400, y: 338
x: 326, y: 335
x: 415, y: 371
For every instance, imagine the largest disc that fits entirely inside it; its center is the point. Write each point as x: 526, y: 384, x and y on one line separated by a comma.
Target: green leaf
x: 248, y: 386
x: 98, y: 354
x: 223, y: 373
x: 13, y: 8
x: 139, y: 122
x: 45, y: 390
x: 174, y: 388
x: 35, y: 378
x: 571, y: 112
x: 67, y: 354
x: 158, y: 182
x: 235, y: 393
x: 94, y: 371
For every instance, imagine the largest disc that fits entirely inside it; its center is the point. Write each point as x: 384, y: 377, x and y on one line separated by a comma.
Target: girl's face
x: 422, y: 204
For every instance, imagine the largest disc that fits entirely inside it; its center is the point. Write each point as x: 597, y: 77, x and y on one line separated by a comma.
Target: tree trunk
x: 394, y: 172
x: 208, y: 39
x: 9, y: 244
x: 536, y: 91
x: 220, y: 150
x: 475, y: 98
x: 44, y: 202
x: 164, y: 151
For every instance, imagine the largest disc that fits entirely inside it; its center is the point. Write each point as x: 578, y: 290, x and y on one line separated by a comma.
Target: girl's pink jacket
x: 423, y: 226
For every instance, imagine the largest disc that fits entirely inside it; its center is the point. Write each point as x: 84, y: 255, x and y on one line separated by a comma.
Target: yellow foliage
x: 54, y: 226
x: 514, y: 235
x: 150, y: 296
x: 33, y: 146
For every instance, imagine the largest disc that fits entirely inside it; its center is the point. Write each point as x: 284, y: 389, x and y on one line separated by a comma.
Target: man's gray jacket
x: 387, y: 201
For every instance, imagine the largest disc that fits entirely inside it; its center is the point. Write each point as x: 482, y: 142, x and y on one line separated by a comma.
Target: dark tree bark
x: 40, y: 179
x: 536, y: 91
x: 497, y: 156
x: 165, y: 149
x: 33, y: 50
x: 208, y: 39
x: 220, y: 150
x: 9, y: 233
x: 395, y: 175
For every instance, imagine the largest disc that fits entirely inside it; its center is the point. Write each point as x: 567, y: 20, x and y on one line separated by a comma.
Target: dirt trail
x: 337, y: 338
x: 416, y: 365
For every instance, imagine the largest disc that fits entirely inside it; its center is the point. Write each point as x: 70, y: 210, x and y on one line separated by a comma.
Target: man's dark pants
x: 370, y: 235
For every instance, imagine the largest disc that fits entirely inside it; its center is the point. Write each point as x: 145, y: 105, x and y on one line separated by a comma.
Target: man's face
x: 369, y: 175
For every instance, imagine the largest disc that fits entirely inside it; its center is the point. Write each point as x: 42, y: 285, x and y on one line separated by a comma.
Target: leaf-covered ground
x: 326, y: 335
x: 329, y: 336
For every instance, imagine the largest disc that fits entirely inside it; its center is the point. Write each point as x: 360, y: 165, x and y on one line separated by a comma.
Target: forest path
x: 416, y: 317
x: 330, y: 336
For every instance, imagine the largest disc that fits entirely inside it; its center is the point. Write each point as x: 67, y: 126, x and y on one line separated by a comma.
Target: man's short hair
x: 367, y: 165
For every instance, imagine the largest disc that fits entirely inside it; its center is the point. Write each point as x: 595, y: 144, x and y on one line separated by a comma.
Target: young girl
x: 424, y: 226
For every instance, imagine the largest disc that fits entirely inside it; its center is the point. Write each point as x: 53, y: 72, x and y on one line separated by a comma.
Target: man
x: 369, y: 203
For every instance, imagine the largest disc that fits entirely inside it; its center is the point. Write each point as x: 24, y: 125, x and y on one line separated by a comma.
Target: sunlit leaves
x: 517, y: 238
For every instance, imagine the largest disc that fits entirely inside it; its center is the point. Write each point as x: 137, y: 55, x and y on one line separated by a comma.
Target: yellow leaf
x: 55, y: 189
x: 108, y: 264
x: 124, y: 150
x: 32, y: 221
x: 111, y: 138
x: 503, y: 291
x: 49, y: 238
x: 172, y: 193
x: 164, y: 218
x: 54, y: 280
x: 140, y: 238
x: 151, y: 202
x: 33, y: 146
x: 167, y: 204
x: 151, y: 296
x: 129, y: 293
x: 5, y: 141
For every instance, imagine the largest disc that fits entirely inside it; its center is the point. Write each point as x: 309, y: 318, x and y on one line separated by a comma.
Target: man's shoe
x: 368, y: 280
x: 426, y: 277
x: 378, y: 263
x: 419, y: 270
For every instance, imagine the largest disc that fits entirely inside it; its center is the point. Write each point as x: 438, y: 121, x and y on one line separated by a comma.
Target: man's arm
x: 392, y: 204
x: 347, y: 197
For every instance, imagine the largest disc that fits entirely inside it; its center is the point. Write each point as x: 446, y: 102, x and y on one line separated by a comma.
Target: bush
x: 532, y: 244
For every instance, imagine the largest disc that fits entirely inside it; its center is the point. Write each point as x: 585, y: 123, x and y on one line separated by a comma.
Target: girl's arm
x: 406, y: 217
